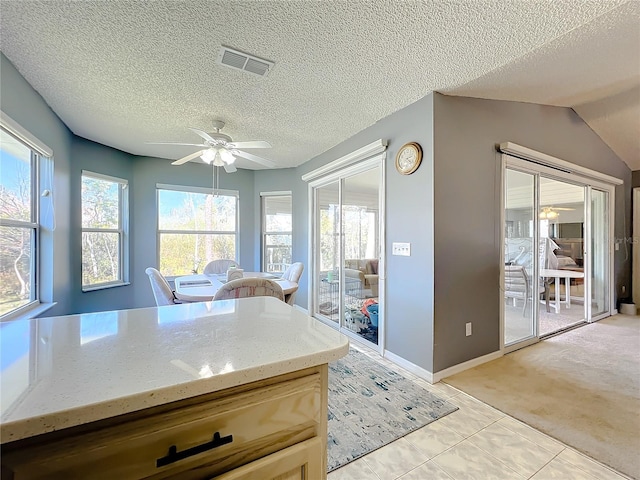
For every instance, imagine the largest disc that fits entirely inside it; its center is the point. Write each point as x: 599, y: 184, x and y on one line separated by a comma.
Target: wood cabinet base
x: 277, y: 427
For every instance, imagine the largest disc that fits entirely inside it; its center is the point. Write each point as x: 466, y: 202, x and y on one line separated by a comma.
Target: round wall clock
x: 408, y: 158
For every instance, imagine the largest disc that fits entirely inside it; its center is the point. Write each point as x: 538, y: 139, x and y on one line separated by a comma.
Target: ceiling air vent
x: 243, y: 61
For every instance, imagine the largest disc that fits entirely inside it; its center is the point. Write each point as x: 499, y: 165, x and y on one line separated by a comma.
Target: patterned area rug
x: 371, y: 406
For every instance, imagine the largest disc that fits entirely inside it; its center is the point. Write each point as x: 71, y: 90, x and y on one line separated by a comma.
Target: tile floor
x: 476, y: 442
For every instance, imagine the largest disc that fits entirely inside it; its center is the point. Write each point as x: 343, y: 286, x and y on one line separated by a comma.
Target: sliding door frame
x: 507, y: 163
x: 376, y: 161
x: 581, y: 178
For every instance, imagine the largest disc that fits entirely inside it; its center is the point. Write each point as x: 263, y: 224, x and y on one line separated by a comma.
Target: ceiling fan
x: 220, y: 150
x: 552, y: 212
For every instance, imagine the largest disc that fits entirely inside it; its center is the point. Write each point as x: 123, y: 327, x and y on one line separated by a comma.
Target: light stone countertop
x: 60, y: 372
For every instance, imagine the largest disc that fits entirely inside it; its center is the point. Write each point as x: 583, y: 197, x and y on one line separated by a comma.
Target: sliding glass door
x: 520, y: 287
x: 327, y: 219
x: 347, y: 246
x: 562, y: 228
x: 599, y: 296
x: 557, y: 251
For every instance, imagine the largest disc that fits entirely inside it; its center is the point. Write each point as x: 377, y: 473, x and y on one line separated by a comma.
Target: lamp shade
x: 227, y: 156
x: 208, y: 155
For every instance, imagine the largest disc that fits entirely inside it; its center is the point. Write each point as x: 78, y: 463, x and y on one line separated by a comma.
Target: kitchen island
x: 226, y: 389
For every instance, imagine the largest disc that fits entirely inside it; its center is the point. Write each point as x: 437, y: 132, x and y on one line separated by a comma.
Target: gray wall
x: 408, y: 304
x: 467, y: 208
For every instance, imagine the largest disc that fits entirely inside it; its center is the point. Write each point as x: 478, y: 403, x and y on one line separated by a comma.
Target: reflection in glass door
x: 347, y: 245
x: 562, y: 225
x: 520, y: 288
x: 327, y: 292
x: 599, y: 301
x: 360, y: 200
x: 566, y: 221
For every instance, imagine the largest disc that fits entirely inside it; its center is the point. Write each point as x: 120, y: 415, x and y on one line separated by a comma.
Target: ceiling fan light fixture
x: 548, y: 214
x: 208, y: 155
x: 217, y: 161
x: 227, y: 156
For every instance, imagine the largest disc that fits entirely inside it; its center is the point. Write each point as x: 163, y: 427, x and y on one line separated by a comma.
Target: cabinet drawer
x: 253, y: 424
x: 299, y: 462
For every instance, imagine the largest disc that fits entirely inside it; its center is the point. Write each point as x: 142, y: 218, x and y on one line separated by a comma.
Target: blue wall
x: 91, y: 156
x: 147, y: 172
x: 24, y: 105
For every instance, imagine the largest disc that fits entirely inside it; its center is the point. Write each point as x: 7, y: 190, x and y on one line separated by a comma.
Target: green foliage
x: 101, y: 251
x: 207, y: 230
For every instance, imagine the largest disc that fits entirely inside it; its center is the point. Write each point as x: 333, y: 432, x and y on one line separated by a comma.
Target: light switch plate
x: 403, y: 249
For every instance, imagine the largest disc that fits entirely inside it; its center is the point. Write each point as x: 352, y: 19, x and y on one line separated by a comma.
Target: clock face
x: 408, y: 158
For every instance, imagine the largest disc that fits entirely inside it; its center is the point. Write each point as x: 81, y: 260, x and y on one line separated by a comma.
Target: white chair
x: 293, y: 274
x: 517, y: 285
x: 161, y: 288
x: 249, y: 287
x: 219, y: 266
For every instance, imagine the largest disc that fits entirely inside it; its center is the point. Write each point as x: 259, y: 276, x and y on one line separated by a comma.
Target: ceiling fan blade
x: 175, y: 143
x: 182, y: 160
x: 254, y: 158
x: 230, y: 168
x: 253, y: 144
x: 203, y: 134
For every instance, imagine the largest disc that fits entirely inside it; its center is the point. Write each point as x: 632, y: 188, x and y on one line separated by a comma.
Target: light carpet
x: 371, y: 406
x: 581, y: 387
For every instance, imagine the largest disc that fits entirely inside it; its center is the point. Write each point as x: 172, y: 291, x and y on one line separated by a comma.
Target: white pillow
x: 566, y: 261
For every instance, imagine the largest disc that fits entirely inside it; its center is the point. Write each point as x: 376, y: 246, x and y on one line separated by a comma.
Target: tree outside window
x: 18, y: 224
x: 195, y: 226
x: 103, y: 207
x: 277, y: 232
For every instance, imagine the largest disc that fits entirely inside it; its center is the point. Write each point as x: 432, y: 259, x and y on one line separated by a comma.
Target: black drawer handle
x: 174, y: 455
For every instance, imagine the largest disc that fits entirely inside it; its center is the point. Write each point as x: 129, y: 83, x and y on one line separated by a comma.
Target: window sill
x: 30, y: 313
x: 104, y: 286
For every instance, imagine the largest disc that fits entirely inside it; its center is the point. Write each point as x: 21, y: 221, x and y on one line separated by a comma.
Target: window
x: 195, y: 226
x: 276, y: 231
x: 19, y: 228
x: 104, y: 231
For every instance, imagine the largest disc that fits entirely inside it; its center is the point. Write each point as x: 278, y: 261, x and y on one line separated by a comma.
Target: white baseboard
x: 436, y: 377
x: 461, y: 367
x: 300, y: 308
x: 415, y: 369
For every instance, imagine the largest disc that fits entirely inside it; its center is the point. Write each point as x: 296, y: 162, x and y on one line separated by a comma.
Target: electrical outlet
x: 624, y: 289
x: 468, y: 329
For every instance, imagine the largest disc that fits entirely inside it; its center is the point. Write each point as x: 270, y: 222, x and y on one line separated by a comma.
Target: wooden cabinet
x: 299, y: 462
x: 276, y: 426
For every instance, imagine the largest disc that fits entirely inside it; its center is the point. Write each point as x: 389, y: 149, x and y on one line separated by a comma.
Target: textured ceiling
x: 125, y: 73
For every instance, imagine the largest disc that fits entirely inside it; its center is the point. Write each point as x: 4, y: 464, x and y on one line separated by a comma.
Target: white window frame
x: 41, y: 155
x: 263, y: 197
x: 206, y: 191
x: 122, y: 230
